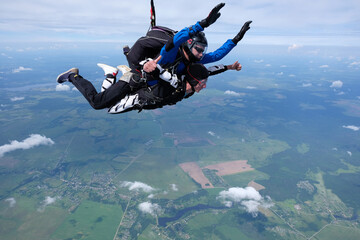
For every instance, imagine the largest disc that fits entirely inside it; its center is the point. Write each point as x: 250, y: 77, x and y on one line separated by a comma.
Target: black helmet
x: 195, y: 73
x: 199, y: 42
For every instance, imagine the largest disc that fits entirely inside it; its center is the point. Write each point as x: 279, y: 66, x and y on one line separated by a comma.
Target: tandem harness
x: 148, y: 46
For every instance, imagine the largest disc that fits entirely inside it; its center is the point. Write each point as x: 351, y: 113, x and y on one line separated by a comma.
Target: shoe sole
x: 114, y: 69
x: 73, y: 70
x: 124, y: 69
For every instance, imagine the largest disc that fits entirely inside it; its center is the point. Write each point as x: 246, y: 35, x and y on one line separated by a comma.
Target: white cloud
x: 280, y: 96
x: 14, y: 99
x: 294, y: 47
x: 174, y: 187
x: 211, y: 133
x: 251, y: 205
x: 48, y: 201
x: 259, y: 61
x: 32, y: 141
x: 250, y: 87
x: 350, y: 153
x: 237, y: 194
x: 247, y: 197
x: 307, y: 84
x: 233, y: 93
x: 150, y: 208
x: 324, y: 66
x: 11, y: 202
x: 355, y: 64
x: 62, y: 88
x: 268, y: 65
x: 20, y: 69
x: 136, y: 186
x: 352, y: 127
x: 337, y: 84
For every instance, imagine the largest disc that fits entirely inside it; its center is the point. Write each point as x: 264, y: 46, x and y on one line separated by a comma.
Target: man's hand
x: 213, y: 16
x: 235, y: 66
x: 151, y: 65
x: 242, y: 32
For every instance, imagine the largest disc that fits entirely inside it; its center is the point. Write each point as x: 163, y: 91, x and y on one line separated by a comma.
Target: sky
x: 281, y: 22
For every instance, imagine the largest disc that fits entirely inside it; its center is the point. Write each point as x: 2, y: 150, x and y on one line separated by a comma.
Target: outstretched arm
x: 242, y: 32
x: 235, y: 66
x: 222, y: 68
x: 170, y: 50
x: 212, y: 17
x: 227, y: 46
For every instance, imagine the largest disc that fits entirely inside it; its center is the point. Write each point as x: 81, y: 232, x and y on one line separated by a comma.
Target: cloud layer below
x: 247, y: 197
x: 48, y: 200
x: 15, y: 99
x: 150, y: 208
x: 21, y: 69
x: 62, y: 88
x: 136, y: 186
x: 352, y: 127
x: 337, y: 84
x: 32, y: 141
x: 11, y: 201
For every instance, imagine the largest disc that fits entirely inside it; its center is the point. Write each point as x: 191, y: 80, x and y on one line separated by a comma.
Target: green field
x: 339, y: 231
x: 27, y: 220
x: 91, y: 220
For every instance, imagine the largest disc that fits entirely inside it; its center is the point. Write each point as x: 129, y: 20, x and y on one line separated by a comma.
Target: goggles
x: 200, y: 48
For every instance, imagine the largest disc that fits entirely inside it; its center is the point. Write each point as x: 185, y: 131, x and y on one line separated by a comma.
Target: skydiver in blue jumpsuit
x: 179, y: 51
x: 186, y: 47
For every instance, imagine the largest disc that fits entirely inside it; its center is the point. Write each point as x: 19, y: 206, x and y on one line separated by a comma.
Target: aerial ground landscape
x: 270, y: 152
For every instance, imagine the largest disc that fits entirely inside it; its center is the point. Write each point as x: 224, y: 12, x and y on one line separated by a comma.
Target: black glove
x: 242, y: 32
x: 213, y: 16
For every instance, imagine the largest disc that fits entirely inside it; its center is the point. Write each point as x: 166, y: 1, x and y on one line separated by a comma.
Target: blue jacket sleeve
x: 219, y: 53
x: 179, y: 38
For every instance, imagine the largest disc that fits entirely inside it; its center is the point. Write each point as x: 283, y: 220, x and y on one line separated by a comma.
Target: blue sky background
x: 286, y: 22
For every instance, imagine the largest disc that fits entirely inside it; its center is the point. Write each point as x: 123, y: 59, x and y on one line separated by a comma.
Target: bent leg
x: 103, y: 99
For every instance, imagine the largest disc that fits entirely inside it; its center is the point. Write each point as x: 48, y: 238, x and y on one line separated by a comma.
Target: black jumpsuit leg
x: 103, y: 99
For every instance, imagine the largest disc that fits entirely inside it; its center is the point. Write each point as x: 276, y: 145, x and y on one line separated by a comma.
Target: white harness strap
x: 164, y: 74
x: 168, y: 77
x: 128, y: 102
